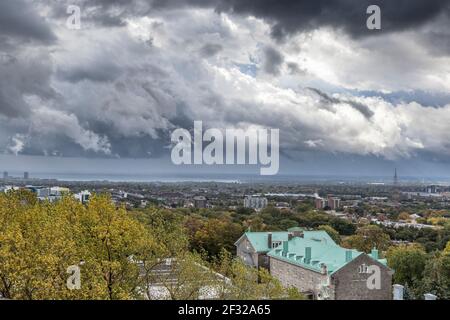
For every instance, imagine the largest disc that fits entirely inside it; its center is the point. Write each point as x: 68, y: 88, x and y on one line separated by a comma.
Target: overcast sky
x: 346, y: 99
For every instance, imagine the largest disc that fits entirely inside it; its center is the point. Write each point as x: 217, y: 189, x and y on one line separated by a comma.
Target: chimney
x: 348, y: 255
x: 290, y: 236
x: 308, y: 255
x: 285, y: 248
x: 398, y: 291
x: 269, y: 240
x: 429, y: 296
x: 298, y: 234
x: 324, y: 268
x: 374, y: 254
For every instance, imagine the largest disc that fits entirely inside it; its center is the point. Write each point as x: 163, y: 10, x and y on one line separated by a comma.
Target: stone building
x: 314, y: 264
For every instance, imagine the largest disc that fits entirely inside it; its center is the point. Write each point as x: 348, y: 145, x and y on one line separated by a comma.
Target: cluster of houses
x: 49, y: 193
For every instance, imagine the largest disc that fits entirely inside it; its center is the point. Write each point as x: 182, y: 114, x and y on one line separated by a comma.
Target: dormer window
x: 275, y: 244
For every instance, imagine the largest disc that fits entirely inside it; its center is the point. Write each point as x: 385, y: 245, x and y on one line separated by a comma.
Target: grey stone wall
x: 351, y: 284
x: 246, y: 253
x: 291, y: 275
x: 347, y: 283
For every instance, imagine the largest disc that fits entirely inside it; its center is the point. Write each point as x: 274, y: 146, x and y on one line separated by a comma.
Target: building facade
x: 255, y: 202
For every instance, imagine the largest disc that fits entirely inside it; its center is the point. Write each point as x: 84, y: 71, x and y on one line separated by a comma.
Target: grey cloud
x: 24, y: 74
x: 133, y: 98
x: 273, y: 60
x: 97, y: 72
x: 294, y: 68
x: 19, y: 19
x: 210, y: 49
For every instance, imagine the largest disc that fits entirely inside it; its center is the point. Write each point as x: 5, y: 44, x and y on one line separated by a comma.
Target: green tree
x: 437, y: 275
x: 242, y: 282
x: 408, y: 263
x: 367, y: 238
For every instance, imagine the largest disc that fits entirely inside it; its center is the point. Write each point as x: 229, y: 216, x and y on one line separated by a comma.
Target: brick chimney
x: 290, y: 236
x: 308, y: 253
x: 297, y: 234
x: 348, y: 255
x: 269, y: 240
x: 374, y: 253
x: 285, y: 248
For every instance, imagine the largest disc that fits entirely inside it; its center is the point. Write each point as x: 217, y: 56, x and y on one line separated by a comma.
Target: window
x: 275, y: 244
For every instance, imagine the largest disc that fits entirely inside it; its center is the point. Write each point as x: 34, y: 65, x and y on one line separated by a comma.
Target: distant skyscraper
x: 5, y: 175
x: 26, y: 176
x: 395, y: 177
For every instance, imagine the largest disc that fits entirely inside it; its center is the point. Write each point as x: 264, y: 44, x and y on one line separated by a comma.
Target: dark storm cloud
x: 210, y: 49
x: 328, y: 100
x: 19, y: 20
x: 97, y: 72
x: 20, y: 76
x: 286, y: 16
x: 290, y: 16
x: 273, y: 60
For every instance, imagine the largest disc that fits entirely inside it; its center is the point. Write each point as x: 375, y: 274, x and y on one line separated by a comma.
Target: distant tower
x: 26, y: 175
x: 5, y: 175
x: 396, y: 193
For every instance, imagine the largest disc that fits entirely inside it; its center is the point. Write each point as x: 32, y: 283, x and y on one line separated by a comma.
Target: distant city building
x: 319, y: 203
x: 199, y: 202
x: 48, y: 194
x: 255, y: 202
x: 333, y: 203
x: 5, y: 175
x: 432, y: 189
x: 83, y: 196
x: 26, y: 175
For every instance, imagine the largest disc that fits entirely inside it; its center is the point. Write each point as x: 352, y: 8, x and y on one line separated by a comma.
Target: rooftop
x: 260, y: 241
x: 315, y: 250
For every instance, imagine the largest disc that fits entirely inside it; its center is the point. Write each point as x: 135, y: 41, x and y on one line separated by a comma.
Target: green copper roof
x: 322, y: 249
x: 260, y: 241
x: 332, y: 256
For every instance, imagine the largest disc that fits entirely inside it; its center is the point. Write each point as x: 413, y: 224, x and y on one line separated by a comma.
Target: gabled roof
x: 332, y: 256
x: 324, y: 251
x: 260, y: 241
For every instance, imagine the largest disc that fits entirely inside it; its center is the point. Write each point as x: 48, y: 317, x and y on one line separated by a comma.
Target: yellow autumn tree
x: 39, y: 241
